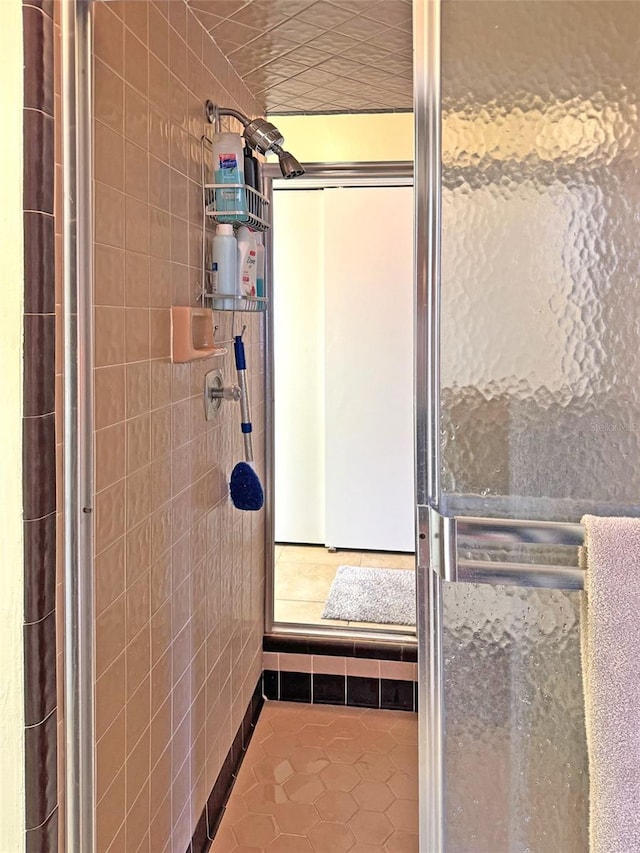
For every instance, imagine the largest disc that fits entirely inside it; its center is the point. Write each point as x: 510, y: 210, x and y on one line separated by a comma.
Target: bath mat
x: 361, y: 594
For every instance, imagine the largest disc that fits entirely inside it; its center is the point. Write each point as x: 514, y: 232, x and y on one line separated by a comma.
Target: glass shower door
x: 527, y: 168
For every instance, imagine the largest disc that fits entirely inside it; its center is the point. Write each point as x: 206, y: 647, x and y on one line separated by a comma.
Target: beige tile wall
x: 179, y: 573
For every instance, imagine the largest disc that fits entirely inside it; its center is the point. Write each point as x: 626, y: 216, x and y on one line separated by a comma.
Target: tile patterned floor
x: 303, y: 577
x: 325, y: 779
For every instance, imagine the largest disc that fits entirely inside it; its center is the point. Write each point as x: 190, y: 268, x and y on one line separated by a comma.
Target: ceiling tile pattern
x: 315, y: 56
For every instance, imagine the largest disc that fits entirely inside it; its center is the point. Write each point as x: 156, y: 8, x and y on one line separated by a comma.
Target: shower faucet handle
x: 229, y: 392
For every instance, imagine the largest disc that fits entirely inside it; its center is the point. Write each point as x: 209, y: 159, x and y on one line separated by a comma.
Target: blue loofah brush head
x: 245, y: 488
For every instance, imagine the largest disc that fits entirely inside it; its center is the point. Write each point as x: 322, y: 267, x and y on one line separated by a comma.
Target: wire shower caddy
x: 255, y: 216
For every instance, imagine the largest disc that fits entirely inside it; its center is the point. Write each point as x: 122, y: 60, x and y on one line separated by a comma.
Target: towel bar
x: 445, y: 536
x: 520, y: 574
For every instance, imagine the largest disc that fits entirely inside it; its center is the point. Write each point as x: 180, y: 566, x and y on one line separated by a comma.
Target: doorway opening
x: 343, y: 450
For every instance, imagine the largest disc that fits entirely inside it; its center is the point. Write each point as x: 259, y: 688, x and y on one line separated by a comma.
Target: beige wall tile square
x: 136, y: 69
x: 108, y: 42
x: 109, y: 96
x: 160, y: 482
x: 136, y: 171
x: 138, y: 551
x: 178, y: 18
x: 109, y: 575
x: 158, y: 34
x: 138, y: 442
x: 159, y: 183
x: 138, y: 392
x: 110, y: 695
x: 137, y: 334
x: 109, y: 455
x: 110, y: 813
x: 159, y: 124
x: 138, y: 496
x: 108, y: 156
x: 329, y: 665
x: 401, y: 670
x: 363, y: 667
x: 160, y: 233
x: 160, y: 333
x: 109, y: 276
x: 294, y: 663
x: 160, y: 283
x: 110, y: 635
x: 110, y: 755
x: 136, y: 117
x: 109, y: 216
x: 136, y: 225
x: 136, y: 280
x: 110, y: 515
x: 109, y: 395
x: 158, y: 83
x: 135, y: 17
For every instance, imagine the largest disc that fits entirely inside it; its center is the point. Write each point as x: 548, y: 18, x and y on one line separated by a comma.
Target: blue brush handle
x: 245, y: 425
x: 238, y: 349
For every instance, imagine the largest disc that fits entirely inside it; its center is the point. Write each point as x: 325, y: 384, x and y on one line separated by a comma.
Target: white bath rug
x: 362, y: 594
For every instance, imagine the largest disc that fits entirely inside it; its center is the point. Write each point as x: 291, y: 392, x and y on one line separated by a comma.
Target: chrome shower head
x: 260, y: 134
x: 289, y: 166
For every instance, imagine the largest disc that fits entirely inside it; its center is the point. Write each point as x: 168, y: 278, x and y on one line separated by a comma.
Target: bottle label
x: 214, y: 277
x: 228, y: 161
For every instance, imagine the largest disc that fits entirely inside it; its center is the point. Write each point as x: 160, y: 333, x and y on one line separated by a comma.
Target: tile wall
x: 41, y: 224
x: 179, y: 573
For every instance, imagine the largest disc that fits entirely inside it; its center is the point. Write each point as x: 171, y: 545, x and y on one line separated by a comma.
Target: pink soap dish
x: 192, y: 334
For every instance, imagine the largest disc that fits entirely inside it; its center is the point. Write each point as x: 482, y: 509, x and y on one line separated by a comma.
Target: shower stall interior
x: 527, y: 165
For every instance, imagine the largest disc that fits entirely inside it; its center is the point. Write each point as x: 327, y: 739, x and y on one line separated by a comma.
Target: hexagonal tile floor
x: 325, y: 779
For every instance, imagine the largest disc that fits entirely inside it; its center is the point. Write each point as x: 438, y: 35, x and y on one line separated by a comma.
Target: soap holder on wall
x: 192, y: 334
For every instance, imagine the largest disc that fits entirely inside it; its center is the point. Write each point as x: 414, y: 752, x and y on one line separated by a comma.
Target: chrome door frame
x: 79, y: 741
x: 427, y: 170
x: 317, y: 176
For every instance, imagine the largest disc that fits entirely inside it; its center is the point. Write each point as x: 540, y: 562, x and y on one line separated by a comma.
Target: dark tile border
x: 38, y: 427
x: 211, y: 816
x: 319, y: 689
x: 340, y: 647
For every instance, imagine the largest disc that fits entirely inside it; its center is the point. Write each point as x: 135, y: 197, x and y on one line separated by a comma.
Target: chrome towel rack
x: 442, y: 543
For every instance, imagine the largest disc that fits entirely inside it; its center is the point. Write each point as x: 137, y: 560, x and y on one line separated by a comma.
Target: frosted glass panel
x: 540, y: 361
x: 515, y: 756
x: 540, y: 258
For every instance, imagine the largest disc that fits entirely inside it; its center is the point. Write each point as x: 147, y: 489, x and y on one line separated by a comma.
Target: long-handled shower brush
x: 245, y: 488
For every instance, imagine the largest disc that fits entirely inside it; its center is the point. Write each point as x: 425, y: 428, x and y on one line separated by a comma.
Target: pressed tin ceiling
x: 314, y: 56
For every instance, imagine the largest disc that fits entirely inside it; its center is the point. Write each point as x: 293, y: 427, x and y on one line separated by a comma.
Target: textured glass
x: 515, y: 757
x: 540, y: 258
x: 540, y: 382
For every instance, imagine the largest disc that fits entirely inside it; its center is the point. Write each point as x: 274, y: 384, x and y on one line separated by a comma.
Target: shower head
x: 289, y: 166
x: 260, y: 134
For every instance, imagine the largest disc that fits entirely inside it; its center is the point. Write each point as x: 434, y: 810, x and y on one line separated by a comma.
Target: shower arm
x: 214, y: 112
x: 259, y: 134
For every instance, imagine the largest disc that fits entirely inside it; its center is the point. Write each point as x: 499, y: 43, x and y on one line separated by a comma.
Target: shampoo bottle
x: 228, y: 168
x: 247, y: 258
x: 224, y: 267
x: 259, y: 264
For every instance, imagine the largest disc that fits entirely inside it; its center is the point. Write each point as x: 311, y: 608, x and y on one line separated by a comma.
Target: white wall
x: 12, y: 817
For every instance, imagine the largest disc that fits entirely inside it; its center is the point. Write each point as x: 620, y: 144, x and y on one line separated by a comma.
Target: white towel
x: 611, y: 667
